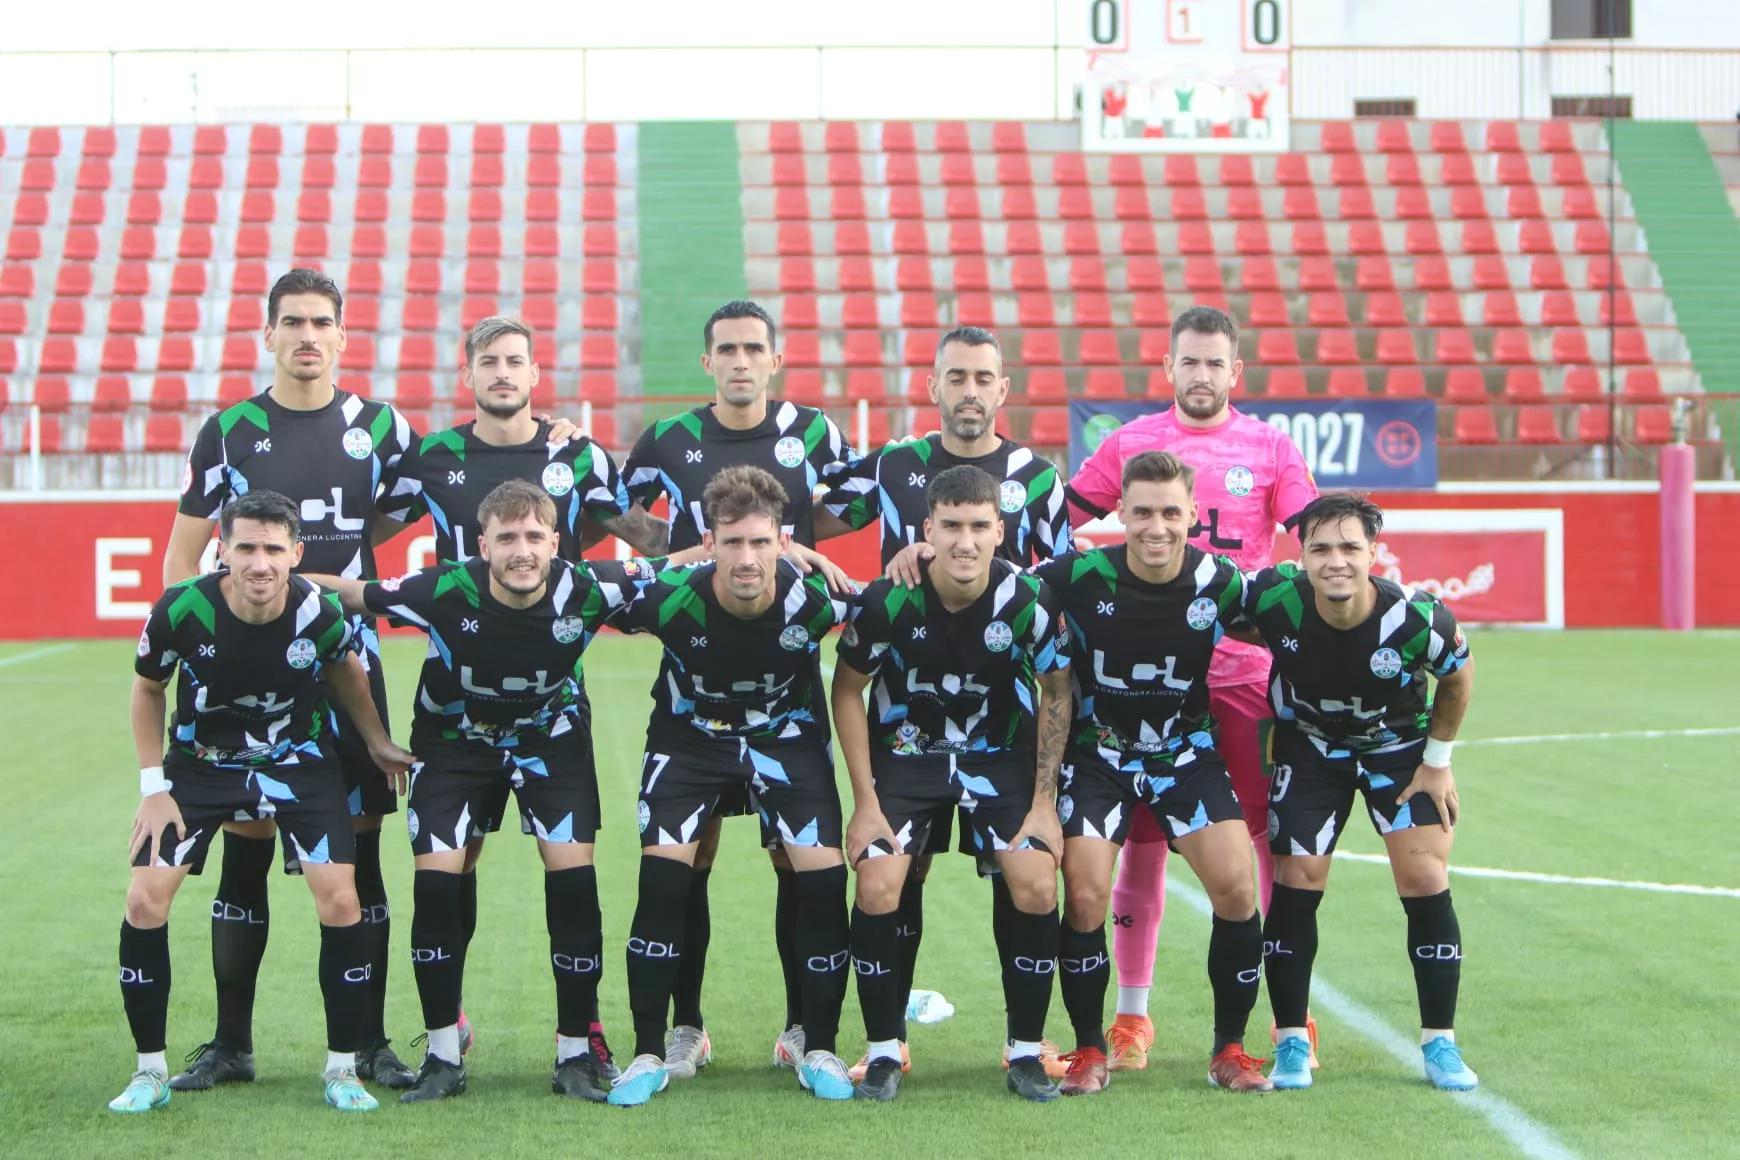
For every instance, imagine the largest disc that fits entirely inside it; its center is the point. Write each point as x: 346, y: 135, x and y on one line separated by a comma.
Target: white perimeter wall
x: 96, y: 61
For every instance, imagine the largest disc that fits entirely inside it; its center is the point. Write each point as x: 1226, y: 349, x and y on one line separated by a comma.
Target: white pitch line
x: 33, y: 654
x: 1527, y: 1135
x: 1561, y: 879
x: 1627, y: 735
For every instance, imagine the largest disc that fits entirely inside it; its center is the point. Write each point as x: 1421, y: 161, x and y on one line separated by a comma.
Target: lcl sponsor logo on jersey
x: 538, y: 682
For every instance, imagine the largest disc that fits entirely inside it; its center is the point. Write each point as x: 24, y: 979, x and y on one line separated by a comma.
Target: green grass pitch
x: 1592, y: 1011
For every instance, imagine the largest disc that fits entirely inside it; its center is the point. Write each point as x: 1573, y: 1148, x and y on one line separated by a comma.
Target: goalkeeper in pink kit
x: 1249, y: 478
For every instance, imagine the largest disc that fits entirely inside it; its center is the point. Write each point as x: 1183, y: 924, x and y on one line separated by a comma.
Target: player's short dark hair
x: 740, y: 309
x: 741, y: 491
x: 303, y: 280
x: 970, y: 336
x: 1206, y: 320
x: 263, y: 507
x: 488, y: 330
x: 1158, y: 467
x: 515, y: 500
x: 964, y: 484
x: 1335, y: 506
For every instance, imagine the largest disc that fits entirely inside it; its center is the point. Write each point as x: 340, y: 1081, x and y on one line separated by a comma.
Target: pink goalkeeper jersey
x: 1249, y: 477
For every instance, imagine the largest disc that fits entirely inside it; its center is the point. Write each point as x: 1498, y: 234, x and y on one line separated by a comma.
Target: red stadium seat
x: 1653, y: 425
x: 1512, y: 347
x: 112, y: 395
x: 1365, y: 238
x: 1594, y: 424
x: 1268, y: 310
x: 1501, y: 309
x: 1396, y: 348
x: 181, y: 316
x: 1523, y: 202
x: 1337, y: 348
x: 1244, y: 204
x: 1259, y: 274
x: 66, y: 316
x: 1404, y: 383
x: 1144, y: 274
x: 105, y: 435
x: 1491, y: 272
x: 1347, y: 169
x: 1348, y: 383
x: 1338, y: 138
x: 1523, y: 385
x: 1385, y: 308
x: 1568, y: 169
x: 1536, y: 237
x: 1559, y: 308
x: 126, y: 316
x: 175, y: 353
x: 1414, y: 204
x: 1104, y: 384
x: 1583, y: 384
x: 17, y: 281
x: 1374, y: 273
x: 1592, y: 238
x: 1293, y: 169
x: 1277, y: 348
x: 317, y: 173
x: 1475, y: 425
x: 1537, y: 425
x: 1571, y: 347
x: 1317, y: 273
x: 1630, y: 347
x: 1326, y: 309
x: 1284, y: 383
x: 1458, y: 169
x: 1547, y: 272
x: 1100, y: 348
x: 1401, y: 169
x: 1579, y: 204
x: 1299, y: 203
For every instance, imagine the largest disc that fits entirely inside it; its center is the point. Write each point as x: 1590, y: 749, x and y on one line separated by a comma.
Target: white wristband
x: 152, y: 781
x: 1437, y: 753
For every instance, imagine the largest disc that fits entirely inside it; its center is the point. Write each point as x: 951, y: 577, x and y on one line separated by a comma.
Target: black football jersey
x: 247, y: 695
x: 724, y: 676
x: 448, y: 474
x: 501, y: 676
x: 887, y: 486
x: 1356, y: 690
x: 1142, y: 651
x: 678, y: 457
x: 954, y: 682
x: 330, y: 463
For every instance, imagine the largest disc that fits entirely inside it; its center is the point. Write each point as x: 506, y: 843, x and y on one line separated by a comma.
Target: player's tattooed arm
x: 1056, y: 702
x: 1436, y: 781
x: 350, y: 687
x: 1450, y: 702
x: 187, y: 540
x: 643, y: 532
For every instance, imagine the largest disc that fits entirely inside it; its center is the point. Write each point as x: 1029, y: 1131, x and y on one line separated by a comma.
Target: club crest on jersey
x: 789, y: 451
x: 644, y: 812
x: 1065, y: 809
x: 412, y: 824
x: 567, y: 629
x: 1239, y: 480
x: 1386, y: 663
x: 300, y: 654
x: 391, y: 584
x: 998, y: 636
x: 187, y: 477
x: 907, y: 738
x: 1201, y: 613
x: 558, y: 479
x: 794, y: 638
x: 1011, y: 496
x: 358, y: 443
x: 145, y: 641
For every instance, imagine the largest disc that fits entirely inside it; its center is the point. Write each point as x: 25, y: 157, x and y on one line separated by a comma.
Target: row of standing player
x: 671, y: 457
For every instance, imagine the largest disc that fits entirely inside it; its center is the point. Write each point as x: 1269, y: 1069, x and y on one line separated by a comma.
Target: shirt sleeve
x: 1048, y: 509
x: 1294, y: 485
x: 641, y: 475
x: 1050, y: 639
x: 205, y: 485
x: 864, y: 642
x: 1099, y: 482
x: 402, y: 498
x: 619, y: 582
x: 157, y: 657
x: 337, y: 633
x: 1230, y: 601
x: 831, y: 455
x: 1447, y: 646
x: 854, y: 496
x: 407, y: 599
x: 604, y: 494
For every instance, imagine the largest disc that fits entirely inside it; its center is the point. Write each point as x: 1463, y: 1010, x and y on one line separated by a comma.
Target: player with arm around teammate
x: 803, y: 450
x: 735, y: 707
x: 498, y: 705
x: 969, y: 384
x: 957, y: 669
x: 1145, y: 617
x: 1352, y: 653
x: 1249, y: 479
x: 248, y: 647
